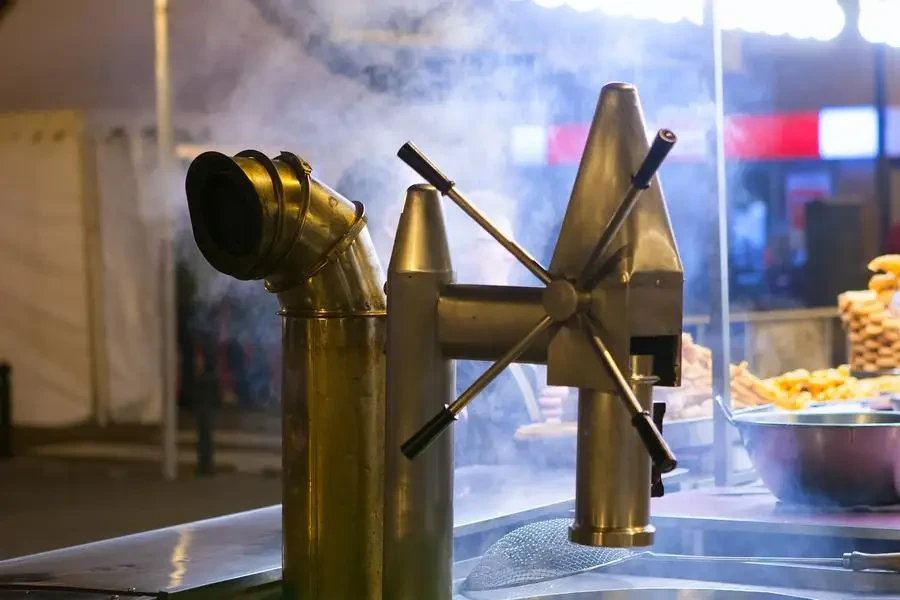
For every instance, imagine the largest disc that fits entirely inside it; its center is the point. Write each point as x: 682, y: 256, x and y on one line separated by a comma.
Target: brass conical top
x: 636, y: 285
x: 616, y: 145
x: 421, y: 242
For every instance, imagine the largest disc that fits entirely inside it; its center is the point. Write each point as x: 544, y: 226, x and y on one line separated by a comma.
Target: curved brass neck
x: 259, y: 218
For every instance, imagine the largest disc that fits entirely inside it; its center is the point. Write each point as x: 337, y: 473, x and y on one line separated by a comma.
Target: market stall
x: 614, y: 494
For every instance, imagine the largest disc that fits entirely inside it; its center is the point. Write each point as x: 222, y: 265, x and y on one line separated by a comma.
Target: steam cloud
x: 316, y: 78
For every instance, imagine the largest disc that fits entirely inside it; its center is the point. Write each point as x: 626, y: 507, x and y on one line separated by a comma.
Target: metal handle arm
x: 659, y: 149
x: 422, y: 165
x: 641, y: 420
x: 436, y: 426
x: 860, y: 561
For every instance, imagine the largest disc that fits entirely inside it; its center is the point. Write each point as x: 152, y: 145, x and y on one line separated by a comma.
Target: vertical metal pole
x: 882, y: 164
x: 165, y: 149
x: 720, y: 323
x: 418, y: 494
x: 6, y: 445
x: 165, y: 135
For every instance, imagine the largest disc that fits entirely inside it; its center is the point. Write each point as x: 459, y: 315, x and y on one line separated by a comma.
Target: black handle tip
x: 659, y: 450
x: 426, y: 169
x: 657, y: 488
x: 429, y: 432
x: 662, y: 144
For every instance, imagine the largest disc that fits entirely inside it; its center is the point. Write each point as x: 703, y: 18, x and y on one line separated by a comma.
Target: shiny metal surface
x: 481, y: 322
x: 641, y: 278
x: 260, y: 218
x: 753, y: 510
x: 626, y: 395
x: 255, y: 217
x: 244, y: 548
x: 350, y: 284
x: 537, y: 331
x: 418, y: 514
x: 811, y: 581
x: 332, y: 405
x: 826, y: 458
x: 165, y: 159
x: 34, y: 594
x: 673, y: 593
x: 540, y: 551
x: 803, y: 582
x: 639, y: 289
x: 612, y: 472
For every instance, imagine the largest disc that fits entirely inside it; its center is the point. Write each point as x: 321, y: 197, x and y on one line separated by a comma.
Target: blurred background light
x: 848, y: 132
x: 802, y: 19
x: 667, y: 11
x: 878, y: 21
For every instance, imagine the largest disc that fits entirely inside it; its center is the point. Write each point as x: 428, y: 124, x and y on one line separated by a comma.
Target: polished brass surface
x: 508, y: 357
x: 481, y: 322
x: 332, y: 410
x: 628, y: 249
x: 639, y: 282
x: 418, y: 515
x: 260, y: 218
x: 612, y: 472
x: 256, y: 218
x: 353, y: 502
x: 350, y: 284
x: 561, y: 300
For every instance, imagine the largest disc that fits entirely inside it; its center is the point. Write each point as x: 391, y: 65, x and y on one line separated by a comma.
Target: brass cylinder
x: 612, y: 469
x: 482, y: 322
x: 332, y: 410
x: 418, y: 494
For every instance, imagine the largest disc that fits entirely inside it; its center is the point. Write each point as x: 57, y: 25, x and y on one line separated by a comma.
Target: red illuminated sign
x: 789, y: 136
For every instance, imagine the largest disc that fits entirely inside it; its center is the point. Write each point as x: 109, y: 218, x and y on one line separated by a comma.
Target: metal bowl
x: 826, y: 457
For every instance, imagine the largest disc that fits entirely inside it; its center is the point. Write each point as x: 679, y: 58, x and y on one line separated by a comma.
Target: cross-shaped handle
x: 563, y: 301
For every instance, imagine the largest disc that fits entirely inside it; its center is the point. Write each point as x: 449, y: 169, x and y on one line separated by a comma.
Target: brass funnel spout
x: 259, y: 218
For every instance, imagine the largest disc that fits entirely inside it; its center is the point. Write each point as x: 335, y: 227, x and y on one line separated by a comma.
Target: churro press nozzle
x: 599, y: 242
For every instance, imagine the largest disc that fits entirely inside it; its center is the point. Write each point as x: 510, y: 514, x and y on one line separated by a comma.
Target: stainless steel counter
x: 624, y: 587
x: 243, y: 551
x: 233, y: 552
x: 754, y: 509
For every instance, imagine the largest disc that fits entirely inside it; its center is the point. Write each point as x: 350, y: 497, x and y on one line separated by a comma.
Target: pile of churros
x: 799, y: 388
x: 696, y: 374
x: 791, y: 391
x: 873, y: 330
x: 693, y: 399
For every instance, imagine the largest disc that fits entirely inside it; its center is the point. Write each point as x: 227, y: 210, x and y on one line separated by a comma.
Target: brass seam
x: 302, y: 314
x: 336, y: 249
x: 343, y: 242
x: 272, y: 171
x: 303, y: 173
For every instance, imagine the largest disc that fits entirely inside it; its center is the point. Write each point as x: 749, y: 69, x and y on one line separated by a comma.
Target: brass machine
x: 368, y: 465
